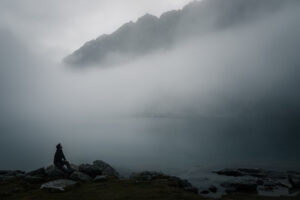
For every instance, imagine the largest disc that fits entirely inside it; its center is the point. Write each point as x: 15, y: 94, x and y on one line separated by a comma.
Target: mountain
x: 150, y: 33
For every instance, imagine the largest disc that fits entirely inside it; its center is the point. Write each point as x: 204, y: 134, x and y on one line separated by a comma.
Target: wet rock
x: 80, y: 176
x: 59, y: 185
x: 100, y: 178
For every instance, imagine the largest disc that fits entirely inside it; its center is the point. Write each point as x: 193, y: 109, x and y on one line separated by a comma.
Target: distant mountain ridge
x: 151, y: 33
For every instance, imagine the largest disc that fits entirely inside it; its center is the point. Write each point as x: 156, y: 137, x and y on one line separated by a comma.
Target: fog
x: 223, y: 99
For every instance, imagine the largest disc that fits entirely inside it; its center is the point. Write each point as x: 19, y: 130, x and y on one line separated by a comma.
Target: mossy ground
x: 110, y: 190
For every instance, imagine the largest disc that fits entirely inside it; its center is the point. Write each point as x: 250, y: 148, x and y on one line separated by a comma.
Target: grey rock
x: 98, y: 168
x: 106, y: 168
x: 80, y: 176
x: 74, y: 167
x: 58, y: 185
x: 54, y: 172
x: 91, y: 170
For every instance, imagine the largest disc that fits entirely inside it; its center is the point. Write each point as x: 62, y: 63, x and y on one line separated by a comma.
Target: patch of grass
x: 109, y: 190
x: 112, y: 190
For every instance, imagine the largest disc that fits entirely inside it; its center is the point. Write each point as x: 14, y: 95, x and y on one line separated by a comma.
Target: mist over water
x: 226, y: 99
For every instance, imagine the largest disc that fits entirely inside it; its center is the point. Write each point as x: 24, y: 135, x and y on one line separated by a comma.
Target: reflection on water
x: 166, y: 144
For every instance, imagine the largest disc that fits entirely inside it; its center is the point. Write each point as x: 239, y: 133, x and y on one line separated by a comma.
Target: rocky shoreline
x: 240, y: 180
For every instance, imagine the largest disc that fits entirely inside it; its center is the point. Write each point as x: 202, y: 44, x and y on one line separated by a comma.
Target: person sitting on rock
x: 60, y: 160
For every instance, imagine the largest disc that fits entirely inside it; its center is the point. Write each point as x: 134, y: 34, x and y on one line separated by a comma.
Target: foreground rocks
x: 92, y: 180
x: 261, y: 181
x: 57, y: 180
x: 240, y: 180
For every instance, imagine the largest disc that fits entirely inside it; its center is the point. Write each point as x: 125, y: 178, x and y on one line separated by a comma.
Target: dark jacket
x: 59, y: 156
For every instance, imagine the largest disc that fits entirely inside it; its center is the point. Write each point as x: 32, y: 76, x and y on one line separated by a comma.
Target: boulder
x: 91, y: 170
x: 59, y: 185
x: 106, y: 168
x: 54, y: 172
x: 80, y: 176
x: 98, y: 168
x: 74, y: 167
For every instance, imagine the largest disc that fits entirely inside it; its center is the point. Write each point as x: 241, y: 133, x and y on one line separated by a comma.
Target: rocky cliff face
x: 151, y: 33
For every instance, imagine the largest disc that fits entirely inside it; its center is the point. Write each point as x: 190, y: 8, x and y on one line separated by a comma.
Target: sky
x: 229, y: 97
x: 58, y: 27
